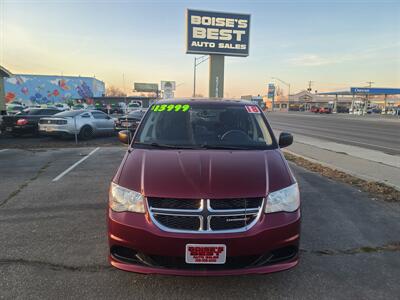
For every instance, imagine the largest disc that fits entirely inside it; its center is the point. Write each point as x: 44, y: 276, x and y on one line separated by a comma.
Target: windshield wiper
x: 202, y: 146
x: 227, y: 147
x: 163, y: 146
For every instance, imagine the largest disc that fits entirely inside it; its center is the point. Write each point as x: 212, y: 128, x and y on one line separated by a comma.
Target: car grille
x: 236, y: 203
x: 179, y: 222
x: 231, y: 222
x: 174, y: 203
x: 205, y: 215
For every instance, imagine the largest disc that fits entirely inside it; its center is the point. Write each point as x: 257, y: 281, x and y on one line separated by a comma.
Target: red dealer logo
x: 205, y: 254
x: 252, y: 109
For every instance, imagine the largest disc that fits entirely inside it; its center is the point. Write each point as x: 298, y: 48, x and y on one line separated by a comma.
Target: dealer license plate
x: 49, y: 129
x: 205, y: 254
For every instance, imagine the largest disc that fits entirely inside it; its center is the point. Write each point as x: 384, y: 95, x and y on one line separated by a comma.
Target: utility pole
x: 367, y: 97
x: 309, y: 86
x: 306, y: 107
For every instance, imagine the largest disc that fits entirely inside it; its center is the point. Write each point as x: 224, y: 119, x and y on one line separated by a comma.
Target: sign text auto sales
x: 217, y: 33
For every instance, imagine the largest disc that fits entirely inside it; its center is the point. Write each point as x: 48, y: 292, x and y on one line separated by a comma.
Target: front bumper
x: 137, y: 245
x: 131, y: 128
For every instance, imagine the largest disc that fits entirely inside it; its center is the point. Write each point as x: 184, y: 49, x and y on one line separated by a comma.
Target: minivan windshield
x: 204, y: 125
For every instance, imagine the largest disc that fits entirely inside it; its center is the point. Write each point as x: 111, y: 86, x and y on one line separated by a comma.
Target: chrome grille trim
x: 206, y: 213
x: 231, y: 230
x: 238, y: 210
x: 172, y: 229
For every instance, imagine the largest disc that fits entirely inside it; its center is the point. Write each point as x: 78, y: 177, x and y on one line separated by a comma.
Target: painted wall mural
x: 43, y: 89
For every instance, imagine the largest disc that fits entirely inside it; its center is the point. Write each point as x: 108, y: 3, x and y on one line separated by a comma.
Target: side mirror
x: 285, y: 139
x: 124, y: 136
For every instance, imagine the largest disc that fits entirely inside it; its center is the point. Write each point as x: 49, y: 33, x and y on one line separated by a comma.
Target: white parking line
x: 3, y: 150
x: 74, y: 165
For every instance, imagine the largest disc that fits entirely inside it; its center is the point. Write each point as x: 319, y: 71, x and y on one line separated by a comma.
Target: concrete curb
x: 361, y: 176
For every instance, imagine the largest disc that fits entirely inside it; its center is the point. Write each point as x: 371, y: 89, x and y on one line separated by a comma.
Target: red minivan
x: 204, y: 189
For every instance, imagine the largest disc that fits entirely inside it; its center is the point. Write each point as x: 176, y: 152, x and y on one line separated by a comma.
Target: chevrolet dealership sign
x: 217, y: 33
x: 375, y: 91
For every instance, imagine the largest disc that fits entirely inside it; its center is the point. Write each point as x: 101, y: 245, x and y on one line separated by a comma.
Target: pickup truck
x: 25, y: 122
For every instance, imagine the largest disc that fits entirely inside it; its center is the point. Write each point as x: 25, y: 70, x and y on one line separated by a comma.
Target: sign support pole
x: 273, y: 102
x: 335, y: 104
x: 216, y: 81
x: 385, y: 104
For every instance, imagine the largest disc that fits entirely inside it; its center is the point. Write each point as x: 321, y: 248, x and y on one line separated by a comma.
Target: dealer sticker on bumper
x: 205, y: 254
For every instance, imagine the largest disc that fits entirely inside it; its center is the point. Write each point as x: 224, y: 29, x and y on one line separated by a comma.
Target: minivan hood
x: 204, y: 173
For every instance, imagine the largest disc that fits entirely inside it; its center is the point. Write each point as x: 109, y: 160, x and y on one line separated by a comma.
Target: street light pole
x: 367, y: 98
x: 197, y: 61
x: 194, y: 78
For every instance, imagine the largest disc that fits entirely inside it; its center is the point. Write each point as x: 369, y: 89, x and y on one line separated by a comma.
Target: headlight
x: 287, y: 199
x: 123, y: 199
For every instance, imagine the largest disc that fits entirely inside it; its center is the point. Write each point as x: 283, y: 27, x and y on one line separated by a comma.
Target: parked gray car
x: 86, y: 123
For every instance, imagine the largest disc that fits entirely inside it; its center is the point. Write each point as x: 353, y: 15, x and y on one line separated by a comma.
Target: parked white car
x: 13, y: 109
x: 86, y: 123
x: 62, y: 106
x: 134, y: 106
x: 79, y: 106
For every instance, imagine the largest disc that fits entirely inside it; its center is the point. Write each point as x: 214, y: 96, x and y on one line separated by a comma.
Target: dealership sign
x: 271, y: 90
x: 376, y: 91
x: 217, y: 33
x: 145, y: 87
x: 168, y: 88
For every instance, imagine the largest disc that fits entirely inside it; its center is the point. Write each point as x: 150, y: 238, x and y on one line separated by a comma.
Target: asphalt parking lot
x: 44, y: 142
x: 54, y: 244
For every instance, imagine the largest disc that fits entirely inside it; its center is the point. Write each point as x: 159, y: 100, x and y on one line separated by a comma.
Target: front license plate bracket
x: 205, y: 254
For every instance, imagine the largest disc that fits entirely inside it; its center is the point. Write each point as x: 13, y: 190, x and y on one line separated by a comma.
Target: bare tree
x: 279, y: 91
x: 113, y: 91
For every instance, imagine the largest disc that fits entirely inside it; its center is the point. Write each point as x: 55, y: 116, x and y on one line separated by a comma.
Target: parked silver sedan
x: 86, y: 123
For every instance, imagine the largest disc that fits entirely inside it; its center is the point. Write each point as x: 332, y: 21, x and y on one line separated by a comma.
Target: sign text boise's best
x: 217, y: 33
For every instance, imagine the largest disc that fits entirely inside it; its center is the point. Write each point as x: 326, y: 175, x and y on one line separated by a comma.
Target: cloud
x: 373, y: 52
x: 25, y: 79
x: 309, y: 60
x: 11, y: 80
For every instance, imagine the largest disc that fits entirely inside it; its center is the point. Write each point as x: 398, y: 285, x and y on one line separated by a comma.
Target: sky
x: 334, y: 44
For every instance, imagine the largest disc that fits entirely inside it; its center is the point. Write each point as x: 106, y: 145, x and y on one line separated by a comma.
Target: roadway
x: 53, y: 241
x: 374, y: 133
